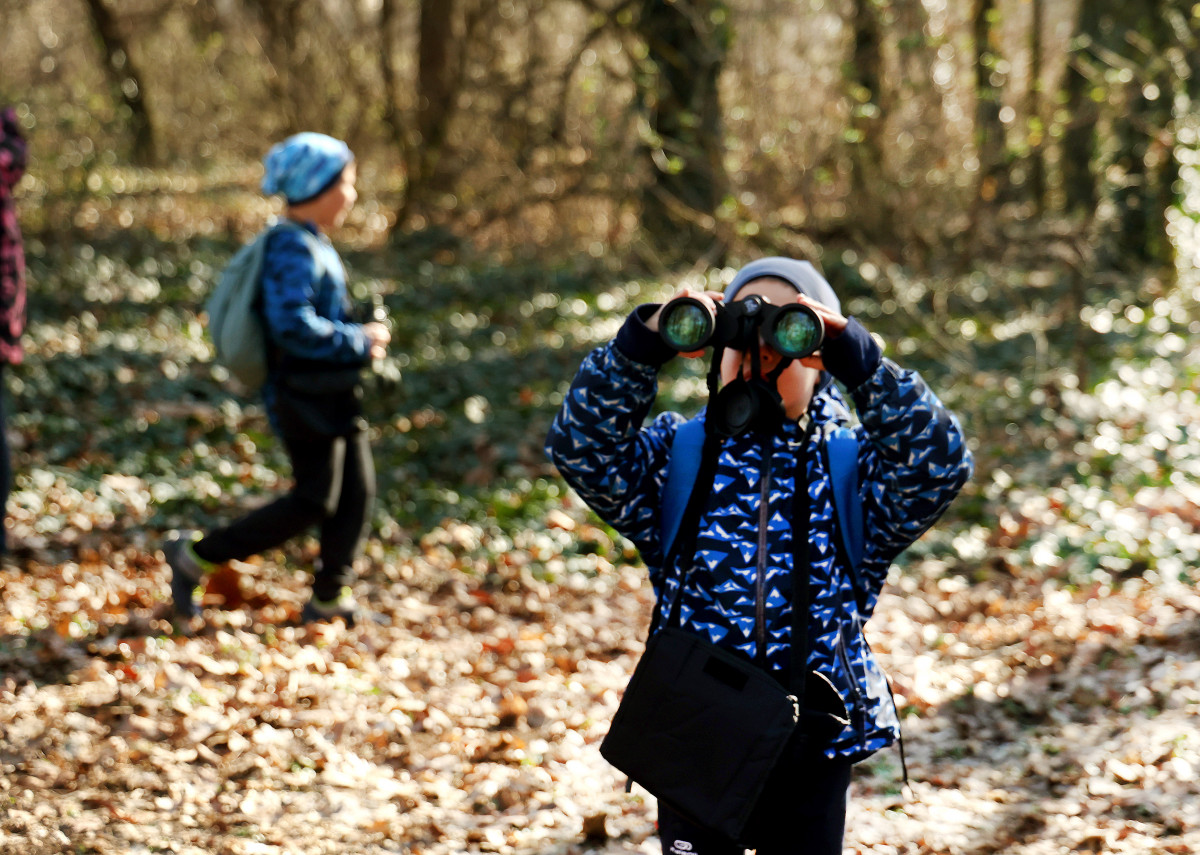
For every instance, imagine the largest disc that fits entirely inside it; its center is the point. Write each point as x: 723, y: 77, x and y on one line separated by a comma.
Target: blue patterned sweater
x: 307, y: 311
x: 309, y: 315
x: 912, y: 462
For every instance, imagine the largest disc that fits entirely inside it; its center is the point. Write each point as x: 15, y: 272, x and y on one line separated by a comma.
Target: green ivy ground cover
x: 1080, y: 399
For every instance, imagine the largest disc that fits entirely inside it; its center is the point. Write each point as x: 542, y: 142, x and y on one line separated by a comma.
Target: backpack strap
x: 682, y: 467
x: 841, y: 449
x: 842, y: 457
x: 310, y: 240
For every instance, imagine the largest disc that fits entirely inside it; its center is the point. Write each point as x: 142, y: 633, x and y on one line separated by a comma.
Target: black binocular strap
x: 689, y: 526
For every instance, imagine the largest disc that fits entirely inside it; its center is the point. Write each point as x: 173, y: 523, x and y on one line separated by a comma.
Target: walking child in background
x: 316, y: 353
x: 12, y: 288
x: 762, y: 508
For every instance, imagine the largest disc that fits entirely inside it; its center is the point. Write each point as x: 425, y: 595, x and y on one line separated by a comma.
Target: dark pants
x: 802, y: 812
x: 334, y: 489
x: 5, y: 461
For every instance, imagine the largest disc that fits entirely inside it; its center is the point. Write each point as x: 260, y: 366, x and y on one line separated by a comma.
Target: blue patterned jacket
x: 912, y: 462
x: 306, y: 305
x: 307, y: 312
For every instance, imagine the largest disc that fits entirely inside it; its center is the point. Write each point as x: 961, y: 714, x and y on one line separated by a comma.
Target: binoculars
x: 793, y: 330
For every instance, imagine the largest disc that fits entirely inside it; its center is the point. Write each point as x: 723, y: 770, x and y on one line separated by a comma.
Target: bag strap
x: 683, y: 469
x: 801, y: 571
x: 841, y: 449
x: 690, y: 474
x: 693, y: 481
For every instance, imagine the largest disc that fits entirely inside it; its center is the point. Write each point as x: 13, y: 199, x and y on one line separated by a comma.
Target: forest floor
x: 1043, y: 639
x: 1037, y: 719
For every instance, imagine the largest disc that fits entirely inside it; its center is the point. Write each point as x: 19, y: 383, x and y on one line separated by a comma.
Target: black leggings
x: 802, y: 812
x: 5, y: 461
x: 334, y: 489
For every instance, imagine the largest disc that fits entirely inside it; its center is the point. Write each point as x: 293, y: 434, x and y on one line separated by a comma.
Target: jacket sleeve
x: 297, y: 321
x: 602, y: 449
x: 913, y: 460
x: 12, y: 149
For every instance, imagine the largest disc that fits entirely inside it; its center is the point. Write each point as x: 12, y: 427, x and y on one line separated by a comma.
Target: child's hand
x: 708, y: 298
x: 834, y: 322
x: 379, y: 336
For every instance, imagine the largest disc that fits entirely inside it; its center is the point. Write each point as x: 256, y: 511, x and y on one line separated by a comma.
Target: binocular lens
x: 686, y: 325
x: 797, y: 332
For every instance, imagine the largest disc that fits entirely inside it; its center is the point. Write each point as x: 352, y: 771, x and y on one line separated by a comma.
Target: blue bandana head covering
x: 799, y: 274
x: 304, y: 166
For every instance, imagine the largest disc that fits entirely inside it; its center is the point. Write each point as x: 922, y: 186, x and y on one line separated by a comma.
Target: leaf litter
x: 1038, y: 718
x: 1043, y: 641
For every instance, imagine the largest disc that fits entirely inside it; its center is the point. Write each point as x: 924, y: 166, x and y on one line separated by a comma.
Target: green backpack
x: 235, y: 322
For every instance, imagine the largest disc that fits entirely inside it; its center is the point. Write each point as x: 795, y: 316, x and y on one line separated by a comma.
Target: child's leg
x: 5, y: 463
x: 680, y: 836
x: 317, y: 464
x: 342, y: 533
x: 803, y: 810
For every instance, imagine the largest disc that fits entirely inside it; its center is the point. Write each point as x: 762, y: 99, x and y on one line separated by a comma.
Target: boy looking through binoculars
x: 766, y: 513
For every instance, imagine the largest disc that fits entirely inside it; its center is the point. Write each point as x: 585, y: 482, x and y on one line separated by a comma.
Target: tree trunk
x: 1186, y: 142
x: 126, y: 80
x: 392, y: 117
x: 1135, y: 161
x: 1159, y: 129
x: 990, y: 141
x: 281, y: 21
x: 866, y: 86
x: 683, y: 143
x: 1080, y: 191
x: 1138, y: 225
x: 437, y: 85
x: 1035, y: 134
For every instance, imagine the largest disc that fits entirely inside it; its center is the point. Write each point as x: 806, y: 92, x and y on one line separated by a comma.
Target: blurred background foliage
x: 1008, y: 191
x: 695, y: 126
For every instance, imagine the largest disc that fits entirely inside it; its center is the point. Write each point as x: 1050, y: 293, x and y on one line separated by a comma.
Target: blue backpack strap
x: 842, y: 454
x: 682, y: 468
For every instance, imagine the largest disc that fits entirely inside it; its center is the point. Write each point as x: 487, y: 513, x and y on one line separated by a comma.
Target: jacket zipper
x: 760, y: 581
